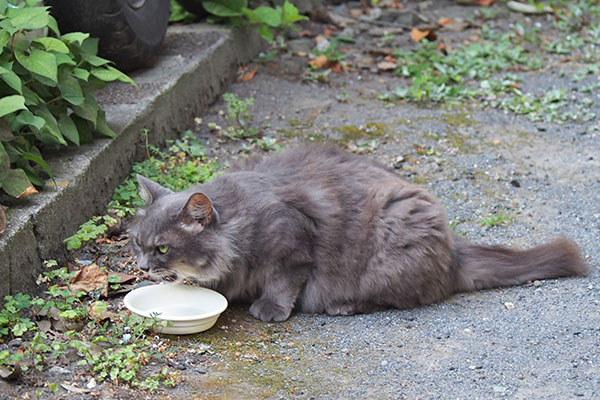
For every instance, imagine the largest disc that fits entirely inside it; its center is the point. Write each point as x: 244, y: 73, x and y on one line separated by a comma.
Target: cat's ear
x: 198, y: 211
x: 150, y: 190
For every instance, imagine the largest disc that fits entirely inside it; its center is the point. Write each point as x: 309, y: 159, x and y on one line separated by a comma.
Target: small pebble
x: 509, y: 306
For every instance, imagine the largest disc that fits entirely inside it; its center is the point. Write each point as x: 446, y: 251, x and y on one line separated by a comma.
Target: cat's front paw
x: 267, y: 311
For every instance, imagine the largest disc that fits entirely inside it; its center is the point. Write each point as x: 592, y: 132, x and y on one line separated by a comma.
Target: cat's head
x: 176, y: 236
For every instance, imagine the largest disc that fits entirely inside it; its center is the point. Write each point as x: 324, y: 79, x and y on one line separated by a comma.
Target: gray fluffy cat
x: 318, y: 230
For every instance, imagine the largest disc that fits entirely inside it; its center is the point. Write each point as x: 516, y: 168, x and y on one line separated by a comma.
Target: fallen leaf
x: 528, y: 8
x: 74, y: 389
x: 484, y: 3
x: 381, y: 52
x: 124, y: 277
x: 319, y: 62
x: 246, y: 75
x: 336, y: 67
x: 417, y: 34
x: 10, y: 372
x: 327, y: 31
x: 444, y: 21
x: 386, y: 66
x: 90, y: 278
x: 390, y: 59
x: 44, y: 325
x: 305, y: 33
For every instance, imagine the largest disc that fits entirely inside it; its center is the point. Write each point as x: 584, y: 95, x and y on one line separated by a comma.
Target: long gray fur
x: 319, y: 230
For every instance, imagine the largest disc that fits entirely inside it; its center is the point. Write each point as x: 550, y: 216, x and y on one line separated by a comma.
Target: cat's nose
x: 144, y: 267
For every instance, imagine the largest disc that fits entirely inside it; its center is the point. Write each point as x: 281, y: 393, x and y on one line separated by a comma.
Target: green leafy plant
x: 131, y: 348
x: 237, y: 110
x: 179, y: 14
x: 12, y: 321
x: 498, y: 219
x: 90, y: 230
x: 439, y: 77
x: 267, y: 20
x: 47, y: 86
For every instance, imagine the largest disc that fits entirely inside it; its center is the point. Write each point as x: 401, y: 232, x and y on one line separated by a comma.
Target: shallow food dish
x: 189, y: 309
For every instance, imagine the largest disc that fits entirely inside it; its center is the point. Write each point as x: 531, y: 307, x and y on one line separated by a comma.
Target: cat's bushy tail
x: 484, y: 267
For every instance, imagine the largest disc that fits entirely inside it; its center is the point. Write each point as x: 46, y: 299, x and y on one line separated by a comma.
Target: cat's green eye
x: 163, y: 249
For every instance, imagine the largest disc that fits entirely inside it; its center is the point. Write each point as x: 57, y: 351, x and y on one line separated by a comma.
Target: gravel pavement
x: 537, y: 341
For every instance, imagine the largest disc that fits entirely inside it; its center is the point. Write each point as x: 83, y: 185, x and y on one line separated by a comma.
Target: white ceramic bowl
x: 189, y: 309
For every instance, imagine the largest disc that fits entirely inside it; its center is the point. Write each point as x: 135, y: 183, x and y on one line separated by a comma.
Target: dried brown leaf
x: 90, y: 278
x: 319, y: 62
x: 386, y: 66
x: 244, y: 74
x: 417, y: 35
x: 28, y: 192
x: 74, y: 389
x: 336, y: 67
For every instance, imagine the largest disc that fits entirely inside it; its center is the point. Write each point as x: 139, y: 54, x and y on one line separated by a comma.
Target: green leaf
x: 53, y: 25
x: 29, y: 18
x: 290, y: 14
x: 268, y: 15
x: 11, y: 79
x: 109, y: 74
x: 40, y: 62
x: 4, y: 38
x: 266, y: 32
x: 81, y: 73
x: 31, y: 97
x: 101, y: 125
x: 225, y: 8
x: 94, y: 60
x: 37, y: 158
x: 26, y: 117
x: 11, y: 104
x: 88, y: 110
x: 68, y: 128
x: 70, y: 88
x: 50, y: 133
x: 52, y: 44
x: 64, y: 59
x: 84, y: 129
x: 15, y: 183
x: 75, y: 37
